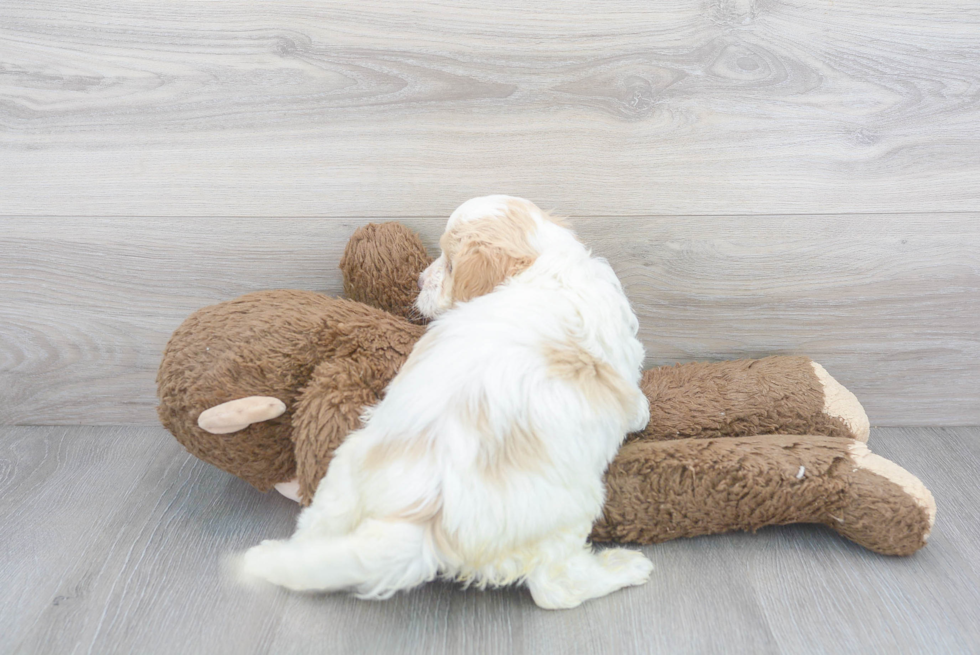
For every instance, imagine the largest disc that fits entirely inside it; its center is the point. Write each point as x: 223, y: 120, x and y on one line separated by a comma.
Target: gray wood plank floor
x: 113, y: 540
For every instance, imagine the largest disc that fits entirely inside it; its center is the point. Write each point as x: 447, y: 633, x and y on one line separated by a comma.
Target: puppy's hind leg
x: 335, y: 510
x: 568, y: 577
x: 376, y: 560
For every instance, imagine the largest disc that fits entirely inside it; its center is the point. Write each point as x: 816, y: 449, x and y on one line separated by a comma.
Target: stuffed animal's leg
x: 775, y: 395
x: 658, y: 491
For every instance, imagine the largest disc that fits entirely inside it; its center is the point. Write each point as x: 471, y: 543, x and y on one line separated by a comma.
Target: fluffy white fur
x: 483, y: 464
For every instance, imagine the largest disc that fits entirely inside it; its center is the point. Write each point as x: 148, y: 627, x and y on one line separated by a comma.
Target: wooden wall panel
x: 785, y: 176
x: 890, y: 304
x: 628, y: 108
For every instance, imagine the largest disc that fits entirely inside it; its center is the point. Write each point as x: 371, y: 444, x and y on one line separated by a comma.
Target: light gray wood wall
x: 243, y: 108
x: 766, y: 177
x: 889, y: 306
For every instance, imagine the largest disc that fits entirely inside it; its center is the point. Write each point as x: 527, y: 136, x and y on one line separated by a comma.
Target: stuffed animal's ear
x: 381, y: 267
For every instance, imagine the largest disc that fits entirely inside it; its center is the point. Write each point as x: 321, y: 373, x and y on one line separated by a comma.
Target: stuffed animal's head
x: 381, y: 267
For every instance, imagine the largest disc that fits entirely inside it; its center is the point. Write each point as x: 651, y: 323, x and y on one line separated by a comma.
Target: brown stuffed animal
x: 266, y: 387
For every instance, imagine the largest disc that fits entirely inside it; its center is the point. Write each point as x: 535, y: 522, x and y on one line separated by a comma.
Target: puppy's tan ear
x: 479, y: 267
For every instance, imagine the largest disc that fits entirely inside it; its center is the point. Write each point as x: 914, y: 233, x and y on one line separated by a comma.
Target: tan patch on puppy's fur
x: 429, y: 515
x: 390, y: 450
x: 485, y: 252
x: 599, y: 382
x: 421, y: 513
x: 445, y: 542
x: 518, y: 449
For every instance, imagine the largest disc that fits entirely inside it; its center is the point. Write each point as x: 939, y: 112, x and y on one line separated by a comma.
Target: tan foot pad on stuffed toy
x: 236, y: 415
x: 862, y: 519
x: 289, y: 489
x: 839, y: 402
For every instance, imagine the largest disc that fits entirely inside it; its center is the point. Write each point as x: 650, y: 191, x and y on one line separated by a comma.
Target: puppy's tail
x: 376, y: 560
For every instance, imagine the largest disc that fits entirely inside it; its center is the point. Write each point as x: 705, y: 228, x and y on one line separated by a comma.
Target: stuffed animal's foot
x: 236, y: 415
x: 290, y: 490
x: 839, y: 403
x: 888, y: 509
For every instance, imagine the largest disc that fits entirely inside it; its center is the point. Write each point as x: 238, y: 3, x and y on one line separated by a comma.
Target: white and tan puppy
x: 484, y: 461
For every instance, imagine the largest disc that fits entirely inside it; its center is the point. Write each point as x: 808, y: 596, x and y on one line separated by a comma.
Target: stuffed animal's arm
x: 781, y: 394
x: 658, y: 491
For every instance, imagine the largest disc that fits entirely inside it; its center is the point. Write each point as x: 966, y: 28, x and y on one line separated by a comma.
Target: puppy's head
x: 487, y: 241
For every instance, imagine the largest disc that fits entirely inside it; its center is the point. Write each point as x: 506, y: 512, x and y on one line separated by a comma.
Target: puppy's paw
x: 631, y: 567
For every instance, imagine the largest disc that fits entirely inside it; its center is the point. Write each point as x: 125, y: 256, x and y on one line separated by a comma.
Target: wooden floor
x: 114, y: 540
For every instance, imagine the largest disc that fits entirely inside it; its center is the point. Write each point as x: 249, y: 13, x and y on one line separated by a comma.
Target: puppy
x: 484, y: 461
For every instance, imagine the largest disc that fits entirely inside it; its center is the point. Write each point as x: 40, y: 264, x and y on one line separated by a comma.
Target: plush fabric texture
x: 714, y: 456
x: 663, y: 490
x: 326, y: 358
x: 368, y: 349
x: 381, y: 267
x: 736, y: 399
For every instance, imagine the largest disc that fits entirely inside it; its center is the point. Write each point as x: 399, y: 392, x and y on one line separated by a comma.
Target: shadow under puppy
x: 484, y: 460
